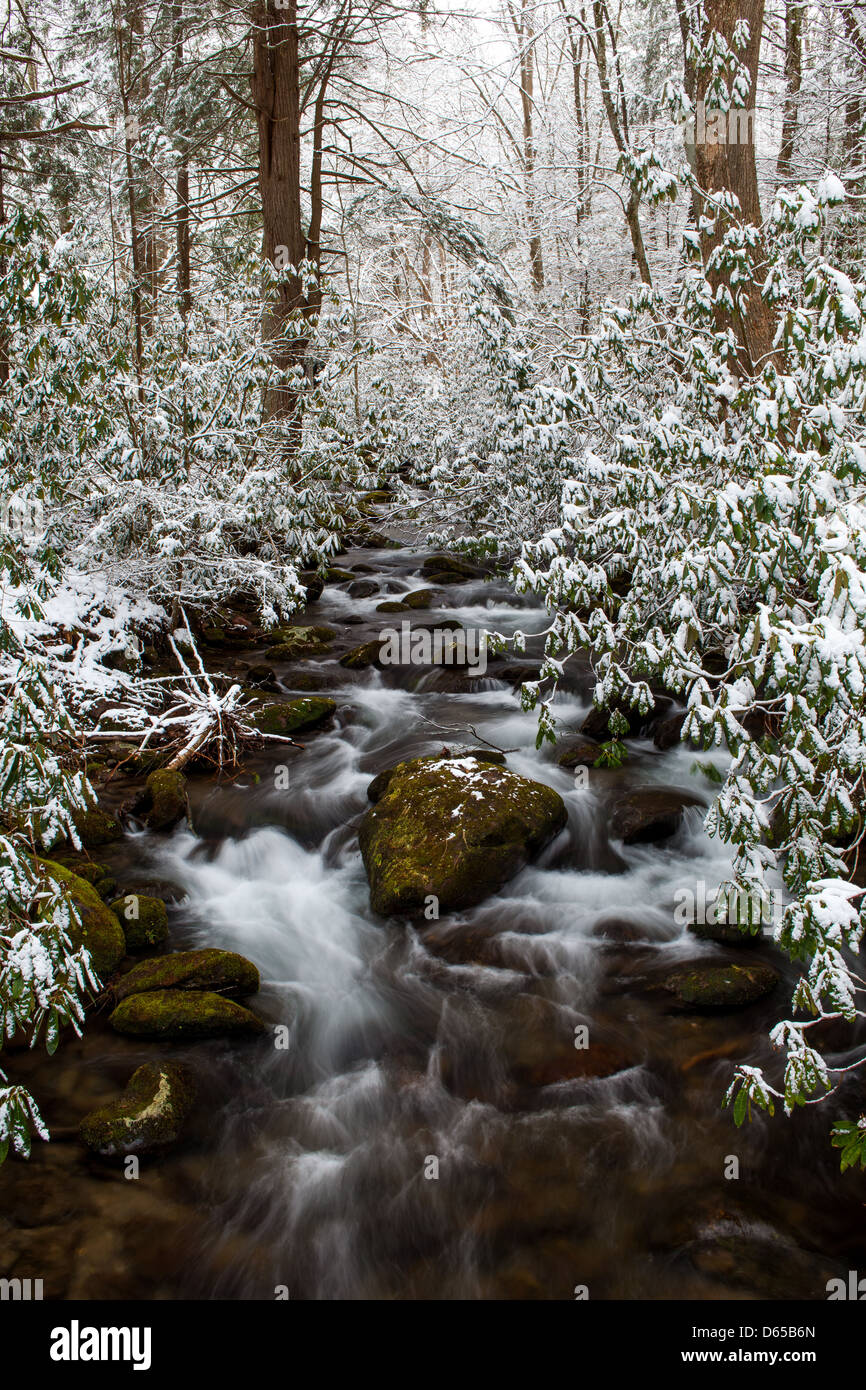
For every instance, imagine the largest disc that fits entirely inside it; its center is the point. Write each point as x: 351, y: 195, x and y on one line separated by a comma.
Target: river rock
x: 420, y: 598
x: 392, y: 606
x: 164, y: 800
x: 581, y: 752
x: 293, y: 716
x: 261, y: 675
x: 292, y: 643
x: 149, y: 1115
x: 144, y: 921
x: 455, y: 828
x: 595, y: 725
x: 218, y: 972
x: 441, y: 565
x: 721, y: 986
x: 100, y: 931
x: 365, y: 655
x: 648, y: 814
x: 338, y: 576
x: 363, y: 588
x: 183, y: 1015
x: 313, y: 584
x: 668, y: 732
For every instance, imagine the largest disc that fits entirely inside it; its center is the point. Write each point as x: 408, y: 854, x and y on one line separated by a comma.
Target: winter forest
x: 432, y: 660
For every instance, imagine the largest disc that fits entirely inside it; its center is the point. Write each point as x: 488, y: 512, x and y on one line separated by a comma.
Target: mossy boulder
x: 293, y: 643
x: 294, y: 716
x: 100, y: 931
x: 366, y: 655
x: 183, y: 1015
x: 144, y: 921
x: 721, y: 986
x: 218, y: 972
x: 98, y: 875
x: 96, y: 827
x: 262, y: 675
x: 149, y: 1115
x: 649, y: 814
x: 441, y: 565
x: 392, y: 606
x: 420, y: 598
x: 456, y: 828
x: 164, y: 800
x: 337, y: 576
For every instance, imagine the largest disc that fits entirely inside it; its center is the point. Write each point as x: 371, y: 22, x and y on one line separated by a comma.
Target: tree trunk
x: 725, y: 163
x: 276, y: 96
x: 793, y: 78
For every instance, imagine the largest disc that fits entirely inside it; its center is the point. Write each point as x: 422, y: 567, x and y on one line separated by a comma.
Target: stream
x: 384, y: 1149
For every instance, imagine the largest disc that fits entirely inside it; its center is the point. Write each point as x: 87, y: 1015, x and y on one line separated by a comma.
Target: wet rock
x: 446, y: 577
x: 517, y: 674
x: 668, y: 732
x: 455, y: 828
x: 313, y: 584
x: 581, y: 752
x: 96, y: 827
x: 144, y: 921
x: 721, y: 986
x: 595, y: 725
x: 292, y: 643
x: 183, y: 1015
x: 149, y: 1115
x: 294, y: 716
x: 338, y: 576
x: 766, y: 1266
x: 649, y: 814
x: 725, y: 933
x: 363, y: 588
x: 366, y: 655
x: 309, y: 680
x: 420, y: 598
x: 218, y: 972
x: 96, y: 874
x: 262, y: 675
x: 99, y: 930
x: 441, y: 565
x: 538, y: 1046
x: 392, y: 606
x: 164, y: 800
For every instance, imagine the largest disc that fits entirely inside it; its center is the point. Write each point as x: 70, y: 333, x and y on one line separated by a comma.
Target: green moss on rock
x: 359, y: 657
x: 292, y: 643
x: 100, y: 931
x: 165, y: 799
x: 456, y: 828
x: 96, y: 827
x: 721, y: 986
x: 293, y: 716
x: 144, y: 921
x: 183, y: 1015
x: 149, y: 1115
x: 218, y: 972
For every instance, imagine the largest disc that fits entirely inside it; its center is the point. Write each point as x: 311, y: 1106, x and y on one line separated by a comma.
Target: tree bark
x: 725, y: 163
x: 276, y: 96
x: 793, y: 79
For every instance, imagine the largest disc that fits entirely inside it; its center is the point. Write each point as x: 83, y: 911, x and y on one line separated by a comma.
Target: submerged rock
x: 144, y: 921
x: 453, y: 828
x: 149, y: 1115
x: 183, y: 1014
x: 650, y: 813
x: 100, y: 931
x: 218, y: 972
x: 721, y: 986
x: 291, y: 717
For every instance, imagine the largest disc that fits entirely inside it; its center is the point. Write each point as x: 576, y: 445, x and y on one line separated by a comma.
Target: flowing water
x: 377, y: 1145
